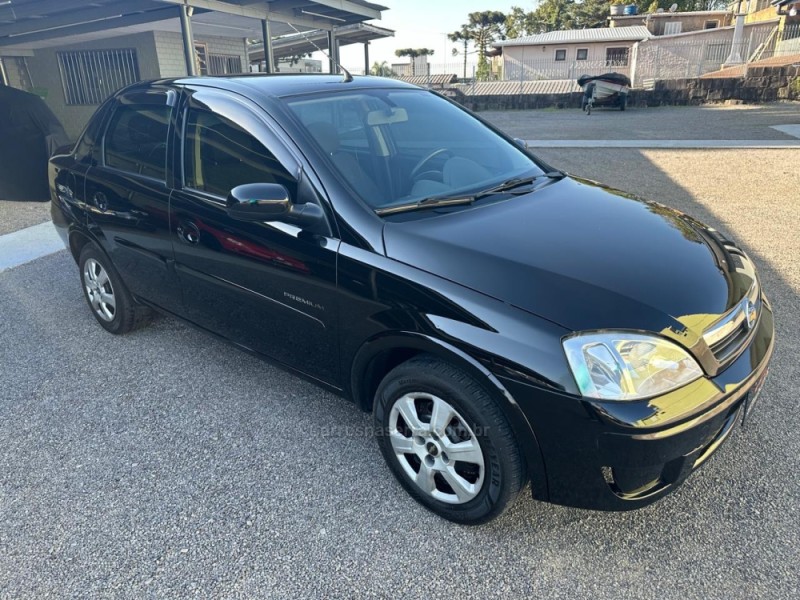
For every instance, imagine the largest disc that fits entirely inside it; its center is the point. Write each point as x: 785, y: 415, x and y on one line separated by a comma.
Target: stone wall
x: 762, y: 84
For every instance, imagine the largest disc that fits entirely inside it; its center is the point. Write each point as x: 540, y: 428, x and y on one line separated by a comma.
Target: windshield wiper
x: 439, y: 201
x: 432, y: 202
x: 511, y: 184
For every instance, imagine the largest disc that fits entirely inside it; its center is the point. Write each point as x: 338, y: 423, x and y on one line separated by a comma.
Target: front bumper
x: 624, y: 455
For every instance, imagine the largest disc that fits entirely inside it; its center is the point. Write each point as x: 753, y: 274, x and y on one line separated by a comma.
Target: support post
x: 735, y: 57
x: 366, y: 58
x: 188, y: 40
x: 332, y: 60
x: 269, y: 55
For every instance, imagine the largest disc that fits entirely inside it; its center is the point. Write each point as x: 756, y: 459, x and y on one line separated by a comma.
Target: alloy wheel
x: 99, y: 290
x: 436, y: 448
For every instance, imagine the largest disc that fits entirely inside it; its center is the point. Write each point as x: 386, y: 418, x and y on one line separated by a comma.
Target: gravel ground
x: 18, y: 215
x: 743, y: 122
x: 167, y: 464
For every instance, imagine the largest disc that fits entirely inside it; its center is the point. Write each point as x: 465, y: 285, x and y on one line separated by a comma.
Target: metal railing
x: 224, y: 64
x: 91, y: 76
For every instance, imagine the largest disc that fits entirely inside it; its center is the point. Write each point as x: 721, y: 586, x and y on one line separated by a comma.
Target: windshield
x: 400, y: 146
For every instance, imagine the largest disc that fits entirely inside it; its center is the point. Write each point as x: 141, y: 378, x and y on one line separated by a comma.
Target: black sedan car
x: 503, y: 322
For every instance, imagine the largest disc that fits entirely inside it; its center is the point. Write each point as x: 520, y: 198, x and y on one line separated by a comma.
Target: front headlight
x: 628, y: 366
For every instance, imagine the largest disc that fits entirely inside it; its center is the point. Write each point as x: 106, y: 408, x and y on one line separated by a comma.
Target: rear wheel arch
x: 77, y: 241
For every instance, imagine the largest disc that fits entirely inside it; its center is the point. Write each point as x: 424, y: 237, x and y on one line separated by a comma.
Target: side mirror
x: 258, y: 202
x: 521, y: 143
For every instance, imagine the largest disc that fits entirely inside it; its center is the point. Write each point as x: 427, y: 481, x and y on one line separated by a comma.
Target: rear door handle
x: 188, y: 232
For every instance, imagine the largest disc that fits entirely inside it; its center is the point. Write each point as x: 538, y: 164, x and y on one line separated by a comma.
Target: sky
x: 422, y: 24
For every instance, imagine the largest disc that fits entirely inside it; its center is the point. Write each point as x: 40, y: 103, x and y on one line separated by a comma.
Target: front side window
x: 136, y: 140
x: 400, y: 145
x: 218, y: 155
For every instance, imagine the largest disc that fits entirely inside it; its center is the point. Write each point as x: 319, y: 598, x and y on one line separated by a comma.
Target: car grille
x: 729, y: 334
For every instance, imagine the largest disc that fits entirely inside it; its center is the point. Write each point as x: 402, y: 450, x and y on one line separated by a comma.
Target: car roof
x: 281, y: 84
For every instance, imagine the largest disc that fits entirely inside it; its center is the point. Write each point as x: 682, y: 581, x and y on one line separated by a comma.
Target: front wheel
x: 447, y: 441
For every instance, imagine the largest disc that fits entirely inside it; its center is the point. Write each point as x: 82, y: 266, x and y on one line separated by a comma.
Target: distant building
x: 669, y: 23
x: 567, y: 54
x: 416, y: 67
x: 301, y: 65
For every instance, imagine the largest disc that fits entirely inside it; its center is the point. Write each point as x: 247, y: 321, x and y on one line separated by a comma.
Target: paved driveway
x: 167, y: 464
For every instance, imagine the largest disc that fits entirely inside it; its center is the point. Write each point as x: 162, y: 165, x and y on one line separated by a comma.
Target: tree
x: 552, y: 15
x: 463, y: 36
x: 381, y: 69
x: 519, y: 23
x: 590, y: 14
x: 413, y: 53
x: 483, y: 28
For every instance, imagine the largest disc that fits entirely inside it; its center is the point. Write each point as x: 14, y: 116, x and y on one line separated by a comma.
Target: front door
x: 268, y: 286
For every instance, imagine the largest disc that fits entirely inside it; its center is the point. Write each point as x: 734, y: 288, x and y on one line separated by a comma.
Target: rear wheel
x: 107, y: 296
x: 623, y: 102
x: 447, y: 441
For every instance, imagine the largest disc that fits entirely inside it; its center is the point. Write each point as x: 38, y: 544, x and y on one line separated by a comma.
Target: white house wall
x: 45, y: 75
x: 539, y: 61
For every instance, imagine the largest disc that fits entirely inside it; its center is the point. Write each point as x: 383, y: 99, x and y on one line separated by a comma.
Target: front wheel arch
x: 378, y: 356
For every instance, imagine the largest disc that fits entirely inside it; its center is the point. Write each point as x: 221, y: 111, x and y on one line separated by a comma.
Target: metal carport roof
x: 31, y: 24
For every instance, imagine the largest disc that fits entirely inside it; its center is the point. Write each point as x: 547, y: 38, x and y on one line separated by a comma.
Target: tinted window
x: 136, y: 140
x: 219, y: 155
x: 88, y: 149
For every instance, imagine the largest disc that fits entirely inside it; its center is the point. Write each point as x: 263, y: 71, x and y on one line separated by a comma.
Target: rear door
x: 69, y: 178
x: 127, y: 194
x: 268, y: 286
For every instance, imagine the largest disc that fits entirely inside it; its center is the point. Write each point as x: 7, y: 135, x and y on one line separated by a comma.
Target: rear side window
x: 136, y: 140
x: 219, y: 155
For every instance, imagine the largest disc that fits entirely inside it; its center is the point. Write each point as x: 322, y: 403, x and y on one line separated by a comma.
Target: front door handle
x: 100, y: 201
x: 188, y: 232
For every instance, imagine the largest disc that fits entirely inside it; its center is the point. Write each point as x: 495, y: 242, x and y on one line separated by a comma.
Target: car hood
x: 583, y: 256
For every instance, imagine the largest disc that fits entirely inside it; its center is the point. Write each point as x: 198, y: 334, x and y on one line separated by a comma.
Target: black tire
x: 503, y: 471
x: 623, y: 103
x: 126, y: 314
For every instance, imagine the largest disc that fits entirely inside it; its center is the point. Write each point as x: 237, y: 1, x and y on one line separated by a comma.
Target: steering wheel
x: 418, y: 167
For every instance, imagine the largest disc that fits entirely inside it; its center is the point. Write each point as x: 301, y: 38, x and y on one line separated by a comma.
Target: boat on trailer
x: 609, y: 89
